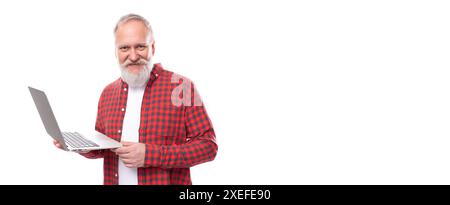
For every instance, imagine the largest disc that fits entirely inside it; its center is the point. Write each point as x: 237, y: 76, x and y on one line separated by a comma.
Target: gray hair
x: 130, y: 17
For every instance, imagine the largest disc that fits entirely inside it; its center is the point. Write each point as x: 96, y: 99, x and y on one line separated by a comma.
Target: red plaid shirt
x: 177, y: 136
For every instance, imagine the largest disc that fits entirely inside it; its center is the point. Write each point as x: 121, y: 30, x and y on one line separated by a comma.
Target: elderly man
x: 156, y: 114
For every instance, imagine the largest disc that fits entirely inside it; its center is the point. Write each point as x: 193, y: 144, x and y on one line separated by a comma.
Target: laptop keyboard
x: 76, y: 140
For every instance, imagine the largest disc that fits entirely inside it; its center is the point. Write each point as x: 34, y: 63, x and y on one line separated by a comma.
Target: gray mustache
x: 140, y: 62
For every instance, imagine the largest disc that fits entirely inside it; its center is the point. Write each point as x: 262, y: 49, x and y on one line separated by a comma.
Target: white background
x: 299, y: 92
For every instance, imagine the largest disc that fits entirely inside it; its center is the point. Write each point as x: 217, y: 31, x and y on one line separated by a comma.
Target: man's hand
x: 58, y: 145
x: 132, y: 154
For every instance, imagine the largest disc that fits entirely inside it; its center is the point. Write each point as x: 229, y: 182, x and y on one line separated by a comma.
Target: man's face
x: 134, y: 49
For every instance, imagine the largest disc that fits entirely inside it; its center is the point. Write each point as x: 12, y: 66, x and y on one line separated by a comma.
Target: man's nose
x: 133, y: 55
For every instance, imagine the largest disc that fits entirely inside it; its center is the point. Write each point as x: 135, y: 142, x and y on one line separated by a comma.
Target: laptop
x: 70, y: 141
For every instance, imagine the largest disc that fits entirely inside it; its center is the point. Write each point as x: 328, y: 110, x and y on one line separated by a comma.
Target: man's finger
x: 122, y: 150
x: 127, y: 148
x: 127, y: 161
x: 126, y: 144
x: 125, y: 156
x: 130, y: 166
x: 56, y: 143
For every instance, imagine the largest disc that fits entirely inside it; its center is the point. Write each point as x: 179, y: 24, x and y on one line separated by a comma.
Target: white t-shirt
x: 130, y: 131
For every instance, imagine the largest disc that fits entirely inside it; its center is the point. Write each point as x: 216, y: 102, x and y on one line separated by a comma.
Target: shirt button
x: 119, y: 131
x: 125, y: 89
x: 123, y: 109
x: 115, y: 175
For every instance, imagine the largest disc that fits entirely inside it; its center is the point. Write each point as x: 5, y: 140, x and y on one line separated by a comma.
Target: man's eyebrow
x: 128, y: 45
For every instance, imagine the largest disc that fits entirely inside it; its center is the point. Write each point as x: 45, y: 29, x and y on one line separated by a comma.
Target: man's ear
x: 115, y: 51
x: 153, y: 48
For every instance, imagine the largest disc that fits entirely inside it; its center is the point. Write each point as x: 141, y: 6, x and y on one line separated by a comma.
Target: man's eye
x: 141, y: 47
x: 123, y: 48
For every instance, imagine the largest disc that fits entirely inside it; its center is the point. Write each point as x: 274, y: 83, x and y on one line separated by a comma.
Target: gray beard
x: 136, y: 80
